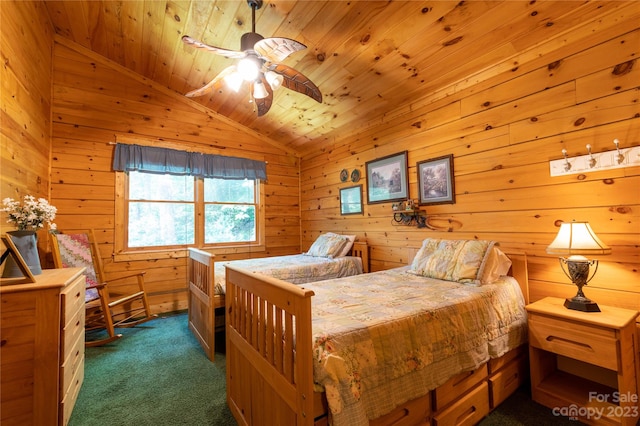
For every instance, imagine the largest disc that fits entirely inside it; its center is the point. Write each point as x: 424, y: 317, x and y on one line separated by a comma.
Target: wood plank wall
x: 502, y: 129
x: 25, y: 103
x: 96, y: 102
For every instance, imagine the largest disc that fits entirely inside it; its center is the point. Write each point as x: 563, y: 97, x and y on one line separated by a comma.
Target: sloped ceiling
x: 370, y: 59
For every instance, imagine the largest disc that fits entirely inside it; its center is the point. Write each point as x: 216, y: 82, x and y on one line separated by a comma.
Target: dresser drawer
x: 72, y: 299
x: 412, y: 413
x: 507, y: 380
x: 457, y: 386
x: 592, y: 344
x: 69, y: 399
x: 73, y: 361
x: 71, y: 332
x: 468, y: 410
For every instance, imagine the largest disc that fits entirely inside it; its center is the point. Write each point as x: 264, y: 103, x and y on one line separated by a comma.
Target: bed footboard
x: 202, y: 299
x: 268, y: 344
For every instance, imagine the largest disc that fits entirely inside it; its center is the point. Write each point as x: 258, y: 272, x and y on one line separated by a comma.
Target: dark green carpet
x: 157, y: 374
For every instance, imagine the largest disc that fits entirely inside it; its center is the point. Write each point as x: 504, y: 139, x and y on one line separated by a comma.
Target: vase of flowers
x: 28, y: 217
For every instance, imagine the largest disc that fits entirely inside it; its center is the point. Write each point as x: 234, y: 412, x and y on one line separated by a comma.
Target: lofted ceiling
x: 369, y: 58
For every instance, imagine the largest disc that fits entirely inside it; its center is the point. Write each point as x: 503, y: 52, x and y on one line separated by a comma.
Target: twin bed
x: 330, y: 256
x: 441, y: 341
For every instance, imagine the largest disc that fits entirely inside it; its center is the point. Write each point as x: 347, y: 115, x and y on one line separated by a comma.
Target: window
x: 167, y: 211
x: 229, y: 211
x: 161, y: 210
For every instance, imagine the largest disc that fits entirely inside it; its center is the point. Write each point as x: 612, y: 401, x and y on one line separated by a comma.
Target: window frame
x: 124, y: 253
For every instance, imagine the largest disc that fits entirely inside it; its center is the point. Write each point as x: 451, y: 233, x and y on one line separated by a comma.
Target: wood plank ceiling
x: 370, y: 59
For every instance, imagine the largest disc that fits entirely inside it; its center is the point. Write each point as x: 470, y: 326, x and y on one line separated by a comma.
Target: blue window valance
x: 174, y: 162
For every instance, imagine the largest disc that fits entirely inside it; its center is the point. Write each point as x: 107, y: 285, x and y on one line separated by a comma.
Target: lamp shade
x: 259, y: 91
x: 274, y: 79
x: 577, y: 238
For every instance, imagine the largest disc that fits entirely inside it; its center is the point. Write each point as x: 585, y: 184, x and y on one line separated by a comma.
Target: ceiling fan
x: 259, y: 65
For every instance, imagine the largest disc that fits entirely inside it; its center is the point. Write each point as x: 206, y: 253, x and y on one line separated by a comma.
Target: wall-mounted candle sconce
x: 613, y: 159
x: 408, y: 213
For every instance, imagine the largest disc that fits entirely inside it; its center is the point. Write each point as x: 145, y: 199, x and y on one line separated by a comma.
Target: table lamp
x: 577, y: 239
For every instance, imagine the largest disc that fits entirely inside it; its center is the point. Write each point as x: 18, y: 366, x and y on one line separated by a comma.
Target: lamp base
x: 583, y: 304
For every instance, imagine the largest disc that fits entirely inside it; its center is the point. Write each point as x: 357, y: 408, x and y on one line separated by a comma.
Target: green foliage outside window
x: 230, y: 210
x: 162, y: 210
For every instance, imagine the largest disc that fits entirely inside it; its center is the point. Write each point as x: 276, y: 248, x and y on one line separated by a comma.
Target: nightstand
x: 583, y: 364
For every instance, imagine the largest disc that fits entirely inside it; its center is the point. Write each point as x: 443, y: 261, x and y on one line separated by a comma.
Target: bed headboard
x: 519, y: 269
x: 361, y: 249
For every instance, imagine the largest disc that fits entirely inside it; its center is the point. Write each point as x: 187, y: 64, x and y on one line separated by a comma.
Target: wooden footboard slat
x: 278, y: 348
x: 289, y: 350
x: 269, y: 354
x: 255, y: 303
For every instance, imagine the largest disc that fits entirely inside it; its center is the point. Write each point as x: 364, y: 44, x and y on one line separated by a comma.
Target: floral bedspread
x: 296, y: 269
x: 411, y: 336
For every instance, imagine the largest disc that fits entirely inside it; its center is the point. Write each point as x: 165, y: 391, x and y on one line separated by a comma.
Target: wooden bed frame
x: 203, y: 300
x: 271, y: 384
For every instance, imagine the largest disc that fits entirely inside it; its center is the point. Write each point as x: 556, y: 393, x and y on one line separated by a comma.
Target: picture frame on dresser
x: 351, y: 200
x: 12, y: 250
x: 436, y: 184
x: 387, y: 179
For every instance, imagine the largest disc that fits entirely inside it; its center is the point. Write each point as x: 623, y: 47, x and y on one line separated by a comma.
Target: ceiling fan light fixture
x: 259, y: 64
x: 259, y: 91
x: 234, y: 81
x: 274, y: 79
x: 249, y: 68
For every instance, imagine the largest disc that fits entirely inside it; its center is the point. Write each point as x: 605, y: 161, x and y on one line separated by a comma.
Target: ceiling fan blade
x: 295, y: 80
x: 234, y: 54
x: 215, y: 83
x: 264, y: 104
x: 276, y: 49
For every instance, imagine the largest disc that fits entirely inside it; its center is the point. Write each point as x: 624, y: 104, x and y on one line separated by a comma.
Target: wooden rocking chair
x: 81, y: 250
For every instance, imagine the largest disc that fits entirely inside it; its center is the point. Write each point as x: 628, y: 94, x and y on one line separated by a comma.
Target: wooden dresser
x: 41, y: 348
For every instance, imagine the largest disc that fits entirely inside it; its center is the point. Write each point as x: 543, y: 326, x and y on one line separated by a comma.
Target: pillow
x: 327, y: 245
x: 497, y: 265
x: 348, y: 244
x: 462, y: 261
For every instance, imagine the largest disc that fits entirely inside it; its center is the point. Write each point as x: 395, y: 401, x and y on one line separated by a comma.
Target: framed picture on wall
x: 435, y: 181
x: 387, y: 179
x: 351, y: 200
